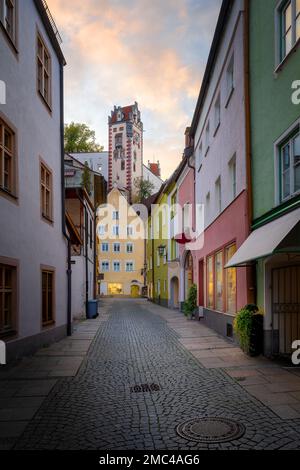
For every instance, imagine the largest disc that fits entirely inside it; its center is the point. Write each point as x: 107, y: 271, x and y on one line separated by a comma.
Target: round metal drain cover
x: 210, y: 430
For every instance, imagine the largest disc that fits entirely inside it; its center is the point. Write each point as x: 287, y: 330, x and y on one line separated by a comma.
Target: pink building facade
x: 220, y: 151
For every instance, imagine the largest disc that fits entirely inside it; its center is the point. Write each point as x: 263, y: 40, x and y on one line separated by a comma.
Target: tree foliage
x: 86, y: 178
x: 143, y: 189
x: 80, y: 138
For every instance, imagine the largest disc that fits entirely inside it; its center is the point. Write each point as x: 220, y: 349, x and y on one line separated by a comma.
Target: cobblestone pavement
x: 97, y: 409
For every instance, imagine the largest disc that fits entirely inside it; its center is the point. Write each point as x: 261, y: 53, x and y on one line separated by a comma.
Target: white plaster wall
x: 230, y: 137
x: 23, y: 234
x: 95, y: 160
x: 155, y: 180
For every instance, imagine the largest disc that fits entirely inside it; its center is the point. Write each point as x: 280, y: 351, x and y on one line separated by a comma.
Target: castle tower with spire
x: 125, y: 162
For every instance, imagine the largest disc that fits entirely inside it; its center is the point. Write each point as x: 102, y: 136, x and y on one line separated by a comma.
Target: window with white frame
x: 117, y: 266
x: 115, y: 215
x: 289, y: 26
x: 230, y: 77
x: 105, y: 266
x: 117, y: 247
x: 158, y: 287
x: 289, y: 153
x: 8, y: 17
x: 129, y: 266
x: 116, y: 230
x: 217, y: 112
x: 104, y: 247
x: 157, y: 259
x: 129, y: 230
x: 129, y: 248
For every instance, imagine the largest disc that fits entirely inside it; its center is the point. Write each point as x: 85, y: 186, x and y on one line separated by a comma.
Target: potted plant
x: 190, y: 305
x: 248, y: 326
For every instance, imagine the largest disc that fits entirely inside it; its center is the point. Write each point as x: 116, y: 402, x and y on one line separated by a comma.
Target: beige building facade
x: 120, y: 245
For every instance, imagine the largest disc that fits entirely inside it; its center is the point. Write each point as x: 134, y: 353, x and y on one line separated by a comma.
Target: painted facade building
x: 157, y: 252
x: 33, y: 248
x: 220, y: 147
x: 97, y: 161
x: 80, y: 220
x: 274, y: 244
x: 125, y: 162
x: 121, y: 239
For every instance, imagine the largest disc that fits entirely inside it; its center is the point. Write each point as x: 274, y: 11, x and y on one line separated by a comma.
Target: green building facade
x: 274, y: 58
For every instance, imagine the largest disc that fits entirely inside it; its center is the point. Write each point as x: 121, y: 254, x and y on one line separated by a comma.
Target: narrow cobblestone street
x: 97, y: 409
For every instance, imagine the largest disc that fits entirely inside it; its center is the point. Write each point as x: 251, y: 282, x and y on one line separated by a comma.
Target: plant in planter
x: 190, y: 305
x: 248, y: 326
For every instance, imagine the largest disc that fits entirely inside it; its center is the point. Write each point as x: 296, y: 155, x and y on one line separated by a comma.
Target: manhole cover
x: 144, y: 388
x: 210, y: 430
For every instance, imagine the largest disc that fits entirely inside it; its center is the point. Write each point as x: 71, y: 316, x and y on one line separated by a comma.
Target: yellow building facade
x: 121, y: 247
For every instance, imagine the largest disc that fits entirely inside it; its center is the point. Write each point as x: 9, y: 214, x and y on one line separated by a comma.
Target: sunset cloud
x: 152, y: 52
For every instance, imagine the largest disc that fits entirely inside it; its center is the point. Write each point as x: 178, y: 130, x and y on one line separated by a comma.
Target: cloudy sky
x: 150, y: 51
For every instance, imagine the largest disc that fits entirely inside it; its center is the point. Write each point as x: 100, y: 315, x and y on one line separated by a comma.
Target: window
x: 186, y: 216
x: 230, y: 78
x: 289, y: 19
x: 230, y: 275
x: 134, y: 167
x: 7, y: 299
x: 219, y: 195
x: 7, y: 158
x: 117, y: 266
x: 173, y: 249
x: 122, y: 164
x: 158, y: 287
x: 219, y: 281
x: 129, y: 248
x: 119, y: 141
x: 200, y: 156
x: 116, y: 230
x: 117, y: 247
x: 207, y: 136
x: 129, y: 230
x: 104, y: 247
x: 46, y: 192
x: 43, y: 71
x: 290, y: 167
x: 101, y: 230
x: 217, y: 113
x: 232, y: 170
x: 151, y: 262
x: 115, y: 215
x: 210, y: 282
x: 157, y: 259
x: 47, y: 297
x: 129, y: 267
x: 105, y: 266
x: 8, y: 17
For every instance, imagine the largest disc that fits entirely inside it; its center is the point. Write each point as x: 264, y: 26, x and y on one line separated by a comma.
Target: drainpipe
x: 63, y: 210
x: 252, y: 269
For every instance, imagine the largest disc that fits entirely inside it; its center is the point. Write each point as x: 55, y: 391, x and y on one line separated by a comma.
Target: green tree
x: 80, y: 138
x: 143, y: 189
x: 86, y: 178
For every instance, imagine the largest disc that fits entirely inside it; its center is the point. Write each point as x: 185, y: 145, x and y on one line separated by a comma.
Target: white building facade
x: 33, y: 248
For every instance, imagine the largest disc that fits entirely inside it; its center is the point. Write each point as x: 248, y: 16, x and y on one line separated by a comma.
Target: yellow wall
x: 116, y: 201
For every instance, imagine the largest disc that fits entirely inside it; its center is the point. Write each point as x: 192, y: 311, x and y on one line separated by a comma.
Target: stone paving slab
x: 137, y: 345
x: 24, y: 386
x: 274, y: 386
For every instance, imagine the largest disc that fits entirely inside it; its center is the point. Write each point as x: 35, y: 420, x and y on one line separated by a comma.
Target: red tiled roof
x: 126, y: 111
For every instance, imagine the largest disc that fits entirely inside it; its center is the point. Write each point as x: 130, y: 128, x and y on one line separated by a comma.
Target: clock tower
x: 125, y: 162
